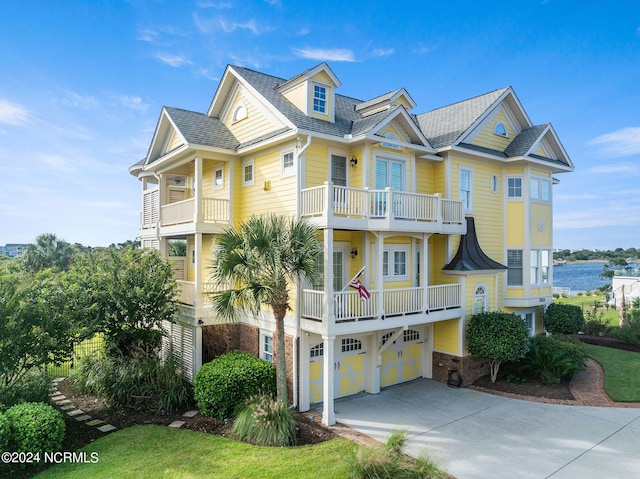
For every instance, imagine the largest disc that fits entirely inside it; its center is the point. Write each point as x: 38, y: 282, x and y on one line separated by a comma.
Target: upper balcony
x: 186, y: 216
x: 331, y: 206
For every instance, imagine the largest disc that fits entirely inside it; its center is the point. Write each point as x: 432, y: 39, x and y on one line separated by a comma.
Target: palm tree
x: 257, y: 264
x: 48, y: 251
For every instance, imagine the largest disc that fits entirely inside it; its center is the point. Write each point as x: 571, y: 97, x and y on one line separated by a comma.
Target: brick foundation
x: 469, y: 367
x: 222, y: 338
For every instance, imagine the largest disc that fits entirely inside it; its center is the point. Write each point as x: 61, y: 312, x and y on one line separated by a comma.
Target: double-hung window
x: 540, y: 266
x: 247, y: 173
x: 266, y: 347
x: 394, y: 264
x: 287, y: 163
x: 319, y: 99
x: 540, y: 189
x: 514, y: 265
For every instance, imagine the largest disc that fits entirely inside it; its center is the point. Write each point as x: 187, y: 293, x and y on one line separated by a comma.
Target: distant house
x: 13, y: 250
x: 625, y: 284
x: 448, y: 211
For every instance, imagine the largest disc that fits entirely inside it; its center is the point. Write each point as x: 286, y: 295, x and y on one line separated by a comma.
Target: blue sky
x: 82, y: 84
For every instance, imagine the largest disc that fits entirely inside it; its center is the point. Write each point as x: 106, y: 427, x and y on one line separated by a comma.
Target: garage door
x: 348, y: 369
x: 402, y: 360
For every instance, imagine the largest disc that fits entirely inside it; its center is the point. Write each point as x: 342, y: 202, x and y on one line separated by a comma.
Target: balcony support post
x: 328, y: 388
x: 424, y: 271
x: 198, y: 190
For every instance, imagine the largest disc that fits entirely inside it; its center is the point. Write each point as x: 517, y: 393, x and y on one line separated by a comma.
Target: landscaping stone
x: 177, y: 424
x: 106, y: 428
x: 75, y: 412
x: 84, y: 417
x: 190, y: 413
x: 95, y: 422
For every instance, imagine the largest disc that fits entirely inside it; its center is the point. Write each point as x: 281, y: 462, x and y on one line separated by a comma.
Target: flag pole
x: 357, y: 275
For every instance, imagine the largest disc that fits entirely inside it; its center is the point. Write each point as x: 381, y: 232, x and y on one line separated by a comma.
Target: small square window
x: 514, y: 187
x: 287, y: 163
x: 218, y: 179
x: 247, y: 173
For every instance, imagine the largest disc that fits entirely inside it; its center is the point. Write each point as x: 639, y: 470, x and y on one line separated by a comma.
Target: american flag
x: 356, y: 284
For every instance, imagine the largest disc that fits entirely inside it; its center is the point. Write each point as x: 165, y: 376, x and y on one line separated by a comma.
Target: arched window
x: 480, y: 300
x: 501, y: 130
x: 240, y: 113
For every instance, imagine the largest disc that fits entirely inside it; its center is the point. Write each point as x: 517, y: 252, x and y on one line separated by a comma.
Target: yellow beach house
x: 446, y: 213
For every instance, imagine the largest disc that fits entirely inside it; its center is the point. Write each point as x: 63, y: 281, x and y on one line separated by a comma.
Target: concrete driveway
x: 476, y: 435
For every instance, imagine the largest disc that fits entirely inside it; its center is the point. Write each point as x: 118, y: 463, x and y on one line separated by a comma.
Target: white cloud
x: 623, y: 142
x: 147, y: 35
x: 251, y: 25
x: 79, y: 100
x: 57, y: 163
x: 382, y: 52
x: 303, y: 31
x: 326, y: 54
x: 13, y: 113
x: 175, y: 61
x: 133, y: 102
x: 620, y: 168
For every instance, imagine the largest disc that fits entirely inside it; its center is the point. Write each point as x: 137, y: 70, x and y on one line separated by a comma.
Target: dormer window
x: 501, y: 130
x: 319, y: 99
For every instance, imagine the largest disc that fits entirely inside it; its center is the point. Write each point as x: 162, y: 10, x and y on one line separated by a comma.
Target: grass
x: 163, y: 452
x: 621, y: 378
x: 588, y: 302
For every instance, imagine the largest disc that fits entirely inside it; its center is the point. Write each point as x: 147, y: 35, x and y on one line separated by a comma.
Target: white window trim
x: 484, y: 296
x: 540, y: 253
x: 506, y: 130
x: 494, y: 181
x: 181, y: 178
x: 219, y: 167
x: 540, y: 180
x: 240, y: 112
x: 390, y: 250
x: 468, y: 169
x: 516, y: 198
x: 253, y: 172
x: 523, y: 314
x: 263, y: 352
x: 327, y: 94
x: 290, y: 170
x: 522, y: 268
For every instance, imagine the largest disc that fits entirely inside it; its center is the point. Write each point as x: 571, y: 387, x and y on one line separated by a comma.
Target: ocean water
x: 580, y: 276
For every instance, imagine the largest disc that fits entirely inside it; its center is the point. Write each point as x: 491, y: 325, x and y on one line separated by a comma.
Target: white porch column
x: 372, y: 379
x: 198, y: 189
x: 305, y: 351
x: 379, y: 278
x: 427, y: 351
x: 424, y: 271
x: 328, y: 413
x: 197, y: 275
x: 197, y: 350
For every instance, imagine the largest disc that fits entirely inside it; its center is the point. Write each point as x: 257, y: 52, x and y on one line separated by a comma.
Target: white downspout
x: 299, y: 152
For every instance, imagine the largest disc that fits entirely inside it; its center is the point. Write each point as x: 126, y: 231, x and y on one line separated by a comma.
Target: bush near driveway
x: 563, y: 319
x: 223, y: 386
x: 34, y: 427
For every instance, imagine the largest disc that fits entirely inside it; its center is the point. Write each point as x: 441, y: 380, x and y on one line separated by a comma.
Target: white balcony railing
x: 214, y: 210
x: 365, y: 203
x: 150, y: 208
x: 348, y: 306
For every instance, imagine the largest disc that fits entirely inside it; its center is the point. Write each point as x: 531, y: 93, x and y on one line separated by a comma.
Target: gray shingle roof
x: 444, y: 126
x: 201, y: 129
x: 378, y: 99
x: 523, y: 142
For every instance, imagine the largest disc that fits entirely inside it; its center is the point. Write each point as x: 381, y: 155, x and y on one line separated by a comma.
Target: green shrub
x: 143, y: 383
x: 563, y: 319
x: 4, y: 432
x: 34, y: 427
x: 389, y: 461
x: 223, y: 385
x: 34, y: 386
x: 265, y: 421
x: 497, y: 336
x: 553, y: 358
x: 595, y: 324
x: 630, y: 332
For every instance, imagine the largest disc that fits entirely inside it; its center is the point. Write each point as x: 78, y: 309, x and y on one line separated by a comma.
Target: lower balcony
x: 389, y: 303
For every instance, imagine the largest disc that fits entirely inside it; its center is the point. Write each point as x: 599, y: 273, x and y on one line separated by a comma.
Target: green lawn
x: 163, y: 452
x: 621, y: 378
x: 588, y: 302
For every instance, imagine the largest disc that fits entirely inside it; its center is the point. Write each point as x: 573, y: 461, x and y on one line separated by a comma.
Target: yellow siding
x: 425, y: 177
x: 515, y: 223
x: 208, y: 168
x: 355, y: 173
x: 515, y: 292
x: 472, y: 283
x: 298, y: 96
x: 317, y: 165
x: 540, y: 151
x: 175, y: 142
x: 254, y: 125
x: 541, y: 213
x: 446, y: 336
x: 255, y: 199
x: 322, y: 77
x: 488, y: 139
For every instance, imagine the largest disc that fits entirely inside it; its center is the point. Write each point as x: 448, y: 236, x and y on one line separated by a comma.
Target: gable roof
x: 200, y: 129
x: 444, y: 126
